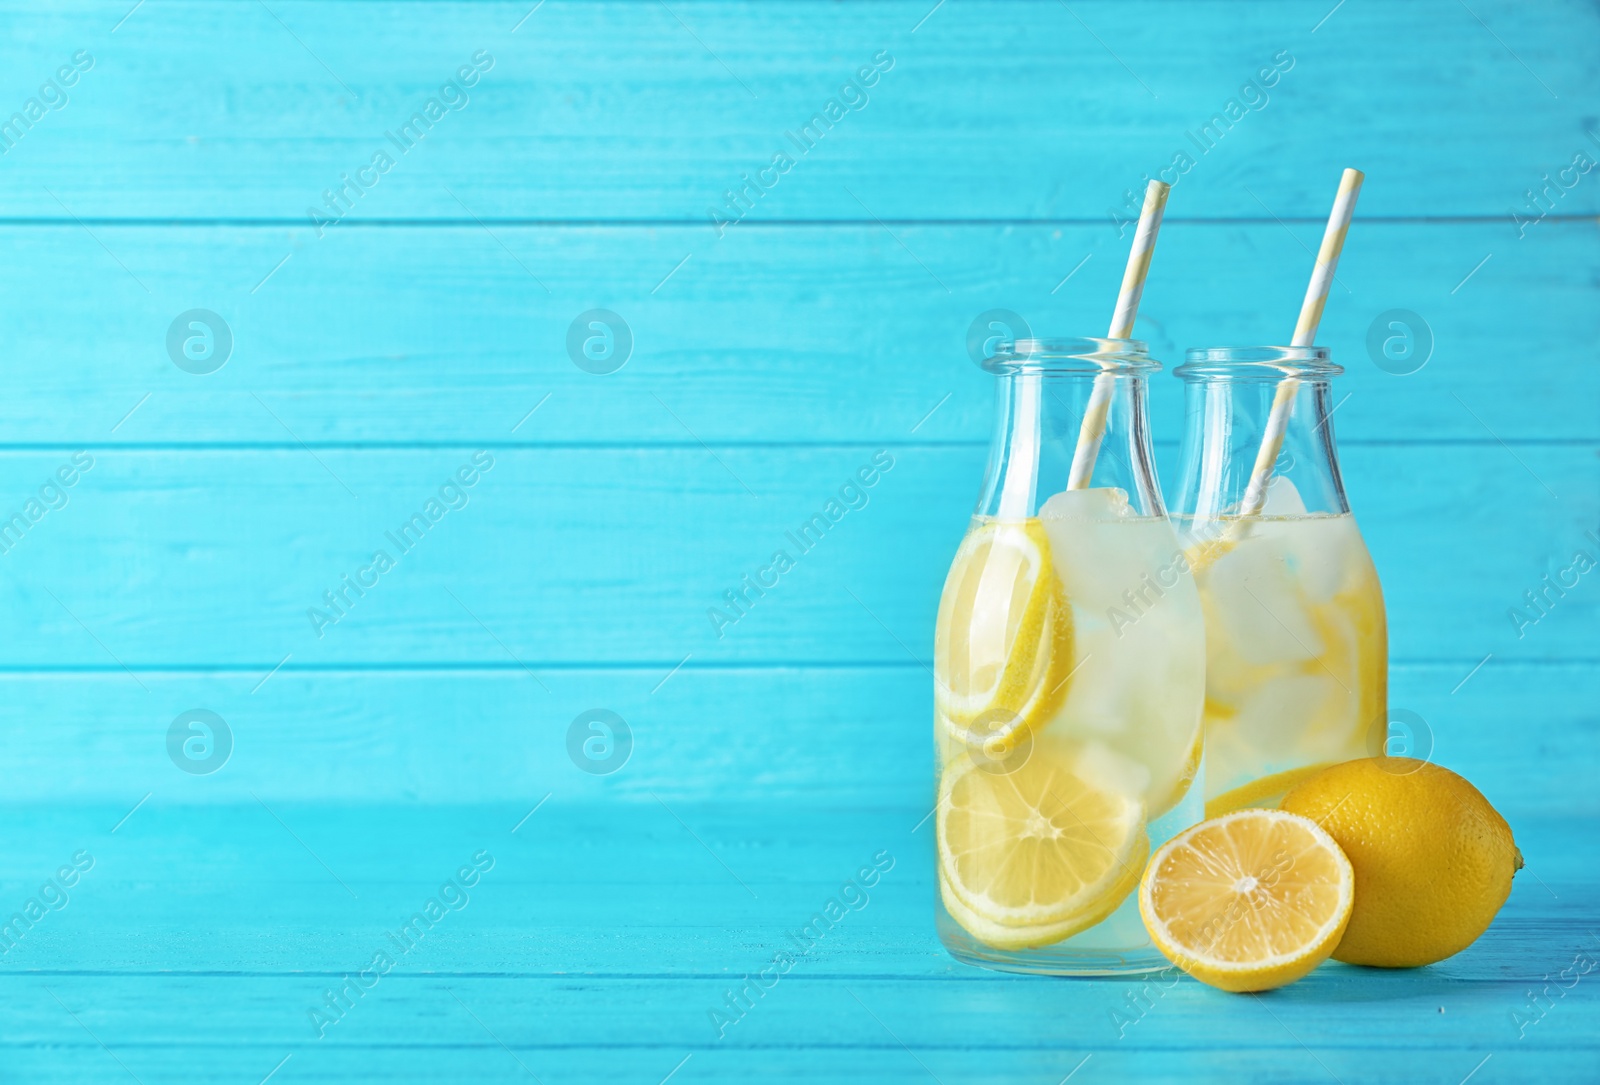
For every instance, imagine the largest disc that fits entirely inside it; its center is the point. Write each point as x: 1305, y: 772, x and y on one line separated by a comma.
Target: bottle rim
x: 1072, y: 354
x: 1268, y: 363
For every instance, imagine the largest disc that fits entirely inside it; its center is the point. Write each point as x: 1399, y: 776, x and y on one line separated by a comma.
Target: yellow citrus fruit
x: 1433, y: 859
x: 1038, y: 850
x: 1249, y: 901
x: 1000, y: 936
x: 1266, y: 791
x: 1003, y: 645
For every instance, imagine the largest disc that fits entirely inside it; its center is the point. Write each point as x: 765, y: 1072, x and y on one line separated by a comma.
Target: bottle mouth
x: 1072, y: 355
x: 1257, y: 363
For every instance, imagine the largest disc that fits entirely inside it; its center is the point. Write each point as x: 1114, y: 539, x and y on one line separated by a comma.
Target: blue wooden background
x: 377, y: 351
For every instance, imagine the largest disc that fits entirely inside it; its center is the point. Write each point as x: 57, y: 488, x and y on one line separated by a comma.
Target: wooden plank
x: 607, y: 914
x: 824, y: 334
x: 627, y: 111
x: 718, y: 887
x: 480, y: 1058
x: 824, y: 735
x: 770, y: 763
x: 190, y: 559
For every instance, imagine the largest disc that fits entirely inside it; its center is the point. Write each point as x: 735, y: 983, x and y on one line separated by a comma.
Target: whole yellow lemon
x: 1433, y: 860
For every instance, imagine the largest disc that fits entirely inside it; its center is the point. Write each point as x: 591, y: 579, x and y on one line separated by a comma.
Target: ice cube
x: 1325, y: 553
x: 1099, y: 504
x: 1101, y: 765
x: 1282, y: 499
x: 1257, y: 605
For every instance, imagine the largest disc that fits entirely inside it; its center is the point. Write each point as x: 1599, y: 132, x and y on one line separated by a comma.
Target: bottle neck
x: 1226, y: 421
x: 1039, y: 427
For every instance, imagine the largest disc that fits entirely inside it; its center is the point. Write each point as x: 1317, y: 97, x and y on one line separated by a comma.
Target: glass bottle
x: 1069, y: 675
x: 1296, y: 639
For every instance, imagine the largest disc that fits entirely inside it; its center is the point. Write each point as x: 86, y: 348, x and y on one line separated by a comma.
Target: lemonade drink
x: 1069, y: 674
x: 1296, y: 638
x: 1296, y: 650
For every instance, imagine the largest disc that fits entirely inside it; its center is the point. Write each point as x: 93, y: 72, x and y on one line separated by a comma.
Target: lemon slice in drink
x: 1038, y: 850
x: 1003, y: 647
x: 1249, y: 901
x: 999, y: 936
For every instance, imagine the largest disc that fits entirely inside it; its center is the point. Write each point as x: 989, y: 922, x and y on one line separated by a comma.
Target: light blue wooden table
x: 210, y: 898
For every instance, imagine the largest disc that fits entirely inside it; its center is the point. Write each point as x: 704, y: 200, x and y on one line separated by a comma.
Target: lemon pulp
x: 1038, y: 851
x: 1249, y: 901
x: 1003, y: 645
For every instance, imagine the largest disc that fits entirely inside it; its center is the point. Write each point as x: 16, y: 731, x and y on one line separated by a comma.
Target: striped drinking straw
x: 1093, y: 427
x: 1305, y: 333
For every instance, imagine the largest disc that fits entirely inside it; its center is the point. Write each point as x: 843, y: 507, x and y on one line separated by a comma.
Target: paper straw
x: 1093, y: 427
x: 1305, y: 334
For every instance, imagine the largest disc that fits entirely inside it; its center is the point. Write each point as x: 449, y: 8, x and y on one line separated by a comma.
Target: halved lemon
x: 1249, y: 901
x: 1003, y: 646
x: 1035, y: 854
